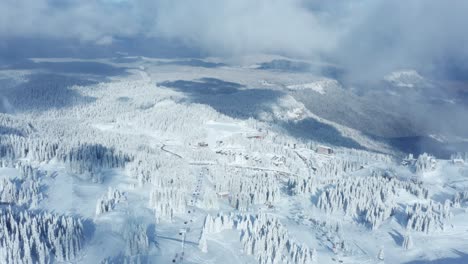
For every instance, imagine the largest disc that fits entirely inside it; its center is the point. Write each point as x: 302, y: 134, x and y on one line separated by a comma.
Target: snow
x: 217, y: 131
x: 120, y: 163
x: 320, y: 86
x: 405, y: 78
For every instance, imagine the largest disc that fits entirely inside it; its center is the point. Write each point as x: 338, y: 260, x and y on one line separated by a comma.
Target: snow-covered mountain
x: 146, y: 160
x: 405, y: 78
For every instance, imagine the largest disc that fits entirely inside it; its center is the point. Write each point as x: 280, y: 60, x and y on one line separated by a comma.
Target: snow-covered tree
x: 408, y: 242
x: 202, y: 244
x: 460, y: 198
x: 166, y: 202
x: 262, y: 236
x: 425, y: 163
x: 428, y: 217
x: 108, y: 201
x: 136, y: 239
x: 381, y: 255
x: 20, y: 192
x: 30, y: 237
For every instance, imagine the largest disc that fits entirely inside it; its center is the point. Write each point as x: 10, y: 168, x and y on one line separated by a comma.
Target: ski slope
x: 180, y: 163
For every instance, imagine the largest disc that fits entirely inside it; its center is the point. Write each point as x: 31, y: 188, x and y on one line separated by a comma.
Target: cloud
x: 368, y: 37
x: 213, y: 26
x: 246, y: 26
x: 83, y: 20
x: 384, y: 35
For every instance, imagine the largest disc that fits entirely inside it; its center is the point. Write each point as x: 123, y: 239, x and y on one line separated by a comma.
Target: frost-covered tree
x: 10, y: 124
x: 30, y: 237
x: 425, y: 163
x: 407, y: 242
x: 314, y: 258
x: 428, y: 217
x: 460, y: 155
x: 203, y: 244
x: 209, y: 200
x: 460, y: 198
x: 262, y: 236
x: 368, y: 199
x: 20, y: 192
x: 246, y: 187
x: 166, y: 202
x: 381, y: 255
x: 108, y: 201
x: 136, y: 239
x: 91, y: 159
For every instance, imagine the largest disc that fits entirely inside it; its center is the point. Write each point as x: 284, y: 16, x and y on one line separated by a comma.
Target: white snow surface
x: 405, y: 78
x: 185, y: 164
x: 319, y: 86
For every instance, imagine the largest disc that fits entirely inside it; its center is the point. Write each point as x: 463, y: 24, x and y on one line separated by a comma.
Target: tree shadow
x: 71, y: 67
x: 89, y: 228
x: 315, y: 130
x: 238, y: 101
x: 285, y: 65
x: 325, y: 70
x: 461, y: 258
x: 36, y: 47
x: 332, y: 72
x: 397, y: 237
x: 400, y: 215
x: 194, y: 63
x: 204, y: 86
x: 93, y: 158
x: 4, y: 130
x: 44, y: 91
x: 122, y: 258
x: 229, y: 98
x: 418, y: 145
x: 125, y: 59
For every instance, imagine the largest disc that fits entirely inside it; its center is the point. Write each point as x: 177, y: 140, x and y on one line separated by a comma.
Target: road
x: 170, y: 152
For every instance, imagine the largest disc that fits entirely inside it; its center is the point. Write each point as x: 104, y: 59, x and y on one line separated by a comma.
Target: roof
x: 324, y: 147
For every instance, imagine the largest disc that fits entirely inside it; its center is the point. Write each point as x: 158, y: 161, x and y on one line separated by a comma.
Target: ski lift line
x: 362, y: 250
x: 190, y: 221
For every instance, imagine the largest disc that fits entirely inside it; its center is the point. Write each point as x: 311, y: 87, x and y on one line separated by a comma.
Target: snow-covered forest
x: 180, y: 163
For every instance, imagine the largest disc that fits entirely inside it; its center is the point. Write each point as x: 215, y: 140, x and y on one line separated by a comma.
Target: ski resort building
x: 223, y: 194
x: 257, y: 136
x: 324, y: 150
x: 458, y: 162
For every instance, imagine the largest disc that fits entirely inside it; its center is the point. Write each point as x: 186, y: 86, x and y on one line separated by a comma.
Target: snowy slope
x: 205, y: 162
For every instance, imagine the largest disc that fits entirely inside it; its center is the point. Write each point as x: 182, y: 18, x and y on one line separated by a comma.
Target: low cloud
x: 367, y: 37
x: 245, y: 26
x: 215, y: 27
x: 83, y: 20
x: 384, y: 35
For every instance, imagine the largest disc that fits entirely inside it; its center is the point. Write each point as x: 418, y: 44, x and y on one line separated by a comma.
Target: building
x: 203, y: 144
x: 182, y: 231
x: 324, y: 150
x: 458, y: 162
x: 255, y: 135
x: 223, y: 194
x: 278, y: 161
x: 409, y: 160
